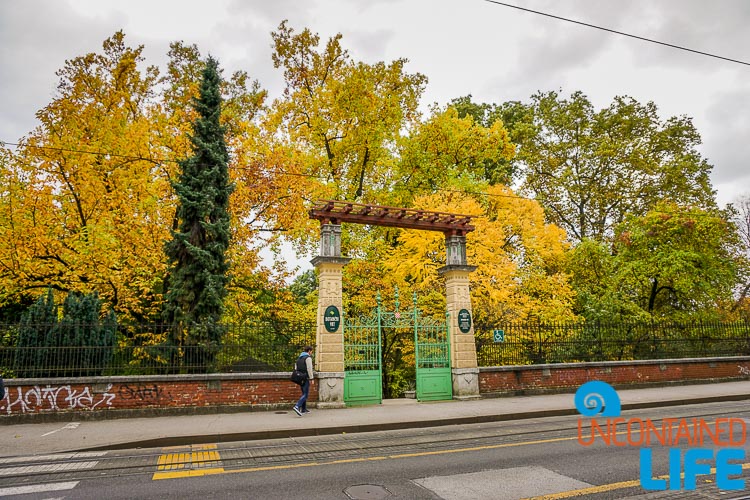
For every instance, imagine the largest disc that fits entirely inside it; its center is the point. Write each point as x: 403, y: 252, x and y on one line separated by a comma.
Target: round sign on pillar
x: 332, y: 319
x: 464, y: 321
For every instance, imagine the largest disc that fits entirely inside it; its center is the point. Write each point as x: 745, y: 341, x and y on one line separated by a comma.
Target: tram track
x: 319, y: 449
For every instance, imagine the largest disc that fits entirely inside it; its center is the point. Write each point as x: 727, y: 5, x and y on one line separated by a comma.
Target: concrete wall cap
x: 330, y: 374
x: 461, y: 371
x: 597, y: 364
x: 119, y: 379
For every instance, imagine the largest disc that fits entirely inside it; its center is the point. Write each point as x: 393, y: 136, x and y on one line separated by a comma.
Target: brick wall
x: 557, y: 377
x: 105, y: 397
x: 141, y: 395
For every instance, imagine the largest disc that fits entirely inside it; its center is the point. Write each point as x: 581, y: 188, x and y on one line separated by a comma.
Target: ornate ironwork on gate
x: 433, y: 358
x: 363, y: 360
x: 363, y: 354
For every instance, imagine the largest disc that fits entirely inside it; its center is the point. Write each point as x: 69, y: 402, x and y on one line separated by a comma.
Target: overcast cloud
x: 464, y: 47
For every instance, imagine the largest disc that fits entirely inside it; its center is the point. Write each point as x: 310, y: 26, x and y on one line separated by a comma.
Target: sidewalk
x: 44, y: 438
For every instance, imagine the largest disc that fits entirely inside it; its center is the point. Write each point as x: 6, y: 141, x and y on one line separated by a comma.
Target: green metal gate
x: 432, y: 352
x: 363, y: 355
x: 362, y: 360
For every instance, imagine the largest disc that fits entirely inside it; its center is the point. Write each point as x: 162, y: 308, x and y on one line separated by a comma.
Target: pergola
x: 464, y: 373
x: 336, y: 212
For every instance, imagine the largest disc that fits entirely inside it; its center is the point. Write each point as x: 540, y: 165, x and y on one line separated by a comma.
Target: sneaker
x: 297, y: 411
x: 305, y: 411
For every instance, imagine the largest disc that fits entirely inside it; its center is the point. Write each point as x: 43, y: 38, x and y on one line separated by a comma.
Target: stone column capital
x: 342, y: 261
x: 448, y: 269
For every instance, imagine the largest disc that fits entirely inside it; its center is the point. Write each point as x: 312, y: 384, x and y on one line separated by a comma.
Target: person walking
x: 304, y: 364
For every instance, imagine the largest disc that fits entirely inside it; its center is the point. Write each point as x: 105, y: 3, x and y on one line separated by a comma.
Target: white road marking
x: 57, y: 456
x: 37, y: 488
x: 60, y: 467
x: 500, y: 484
x: 72, y: 425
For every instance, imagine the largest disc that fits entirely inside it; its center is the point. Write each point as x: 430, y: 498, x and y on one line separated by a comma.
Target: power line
x: 161, y: 160
x: 100, y: 153
x: 129, y: 157
x: 618, y: 32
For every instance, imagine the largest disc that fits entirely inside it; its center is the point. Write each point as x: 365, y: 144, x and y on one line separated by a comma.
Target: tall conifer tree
x: 198, y: 272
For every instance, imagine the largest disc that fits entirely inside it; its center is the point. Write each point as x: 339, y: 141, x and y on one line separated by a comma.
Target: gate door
x: 433, y: 358
x: 362, y: 355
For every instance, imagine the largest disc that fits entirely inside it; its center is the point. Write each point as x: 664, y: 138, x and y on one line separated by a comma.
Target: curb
x: 387, y: 426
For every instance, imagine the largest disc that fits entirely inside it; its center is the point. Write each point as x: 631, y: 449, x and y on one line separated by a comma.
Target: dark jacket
x: 304, y: 365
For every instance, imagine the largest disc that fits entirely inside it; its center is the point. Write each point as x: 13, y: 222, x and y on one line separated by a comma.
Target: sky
x: 492, y: 52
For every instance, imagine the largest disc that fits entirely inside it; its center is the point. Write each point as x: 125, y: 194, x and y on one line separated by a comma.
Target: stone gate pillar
x: 461, y: 319
x: 329, y: 351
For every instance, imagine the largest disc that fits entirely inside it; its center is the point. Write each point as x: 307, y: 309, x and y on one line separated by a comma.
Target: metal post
x: 380, y: 344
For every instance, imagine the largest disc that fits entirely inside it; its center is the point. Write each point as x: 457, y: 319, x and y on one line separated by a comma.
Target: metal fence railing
x: 145, y: 350
x: 273, y: 346
x: 535, y: 343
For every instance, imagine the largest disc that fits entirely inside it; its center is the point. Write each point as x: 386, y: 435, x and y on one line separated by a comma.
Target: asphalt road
x: 503, y: 460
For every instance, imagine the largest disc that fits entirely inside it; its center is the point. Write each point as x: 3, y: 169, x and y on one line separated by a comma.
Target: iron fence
x: 273, y: 346
x: 536, y: 343
x: 145, y: 350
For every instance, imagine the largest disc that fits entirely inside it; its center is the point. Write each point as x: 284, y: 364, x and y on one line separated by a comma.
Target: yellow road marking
x: 607, y: 487
x: 198, y: 460
x: 589, y: 491
x: 201, y: 472
x: 566, y: 494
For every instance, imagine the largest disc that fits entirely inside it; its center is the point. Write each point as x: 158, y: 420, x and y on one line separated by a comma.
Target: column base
x: 330, y: 390
x: 465, y: 383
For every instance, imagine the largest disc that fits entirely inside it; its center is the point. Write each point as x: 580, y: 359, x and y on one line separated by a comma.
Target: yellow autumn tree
x: 443, y: 153
x: 519, y: 257
x: 340, y: 120
x: 90, y: 213
x: 90, y: 202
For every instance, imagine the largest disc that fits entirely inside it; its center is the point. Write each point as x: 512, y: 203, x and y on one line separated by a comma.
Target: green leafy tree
x: 37, y: 330
x: 79, y: 343
x: 502, y: 168
x: 593, y: 271
x: 672, y: 263
x: 590, y: 168
x: 448, y: 148
x: 198, y: 272
x: 677, y: 262
x: 304, y: 288
x: 83, y: 342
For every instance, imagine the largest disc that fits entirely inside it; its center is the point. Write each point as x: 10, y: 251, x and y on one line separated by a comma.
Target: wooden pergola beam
x: 336, y: 212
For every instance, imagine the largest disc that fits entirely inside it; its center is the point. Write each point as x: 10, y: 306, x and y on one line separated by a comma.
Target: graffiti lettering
x: 141, y: 392
x: 41, y: 399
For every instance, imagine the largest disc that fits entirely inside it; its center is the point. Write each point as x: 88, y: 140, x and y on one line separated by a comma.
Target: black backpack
x: 299, y: 375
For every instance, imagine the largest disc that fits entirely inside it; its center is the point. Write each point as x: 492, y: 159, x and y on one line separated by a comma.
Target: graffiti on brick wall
x: 744, y: 371
x: 50, y: 398
x: 141, y: 392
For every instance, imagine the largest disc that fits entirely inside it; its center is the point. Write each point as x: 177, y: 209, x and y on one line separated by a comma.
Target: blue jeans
x: 302, y: 403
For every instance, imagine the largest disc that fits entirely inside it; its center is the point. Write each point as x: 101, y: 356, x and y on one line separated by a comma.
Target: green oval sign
x: 332, y: 319
x: 464, y: 321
